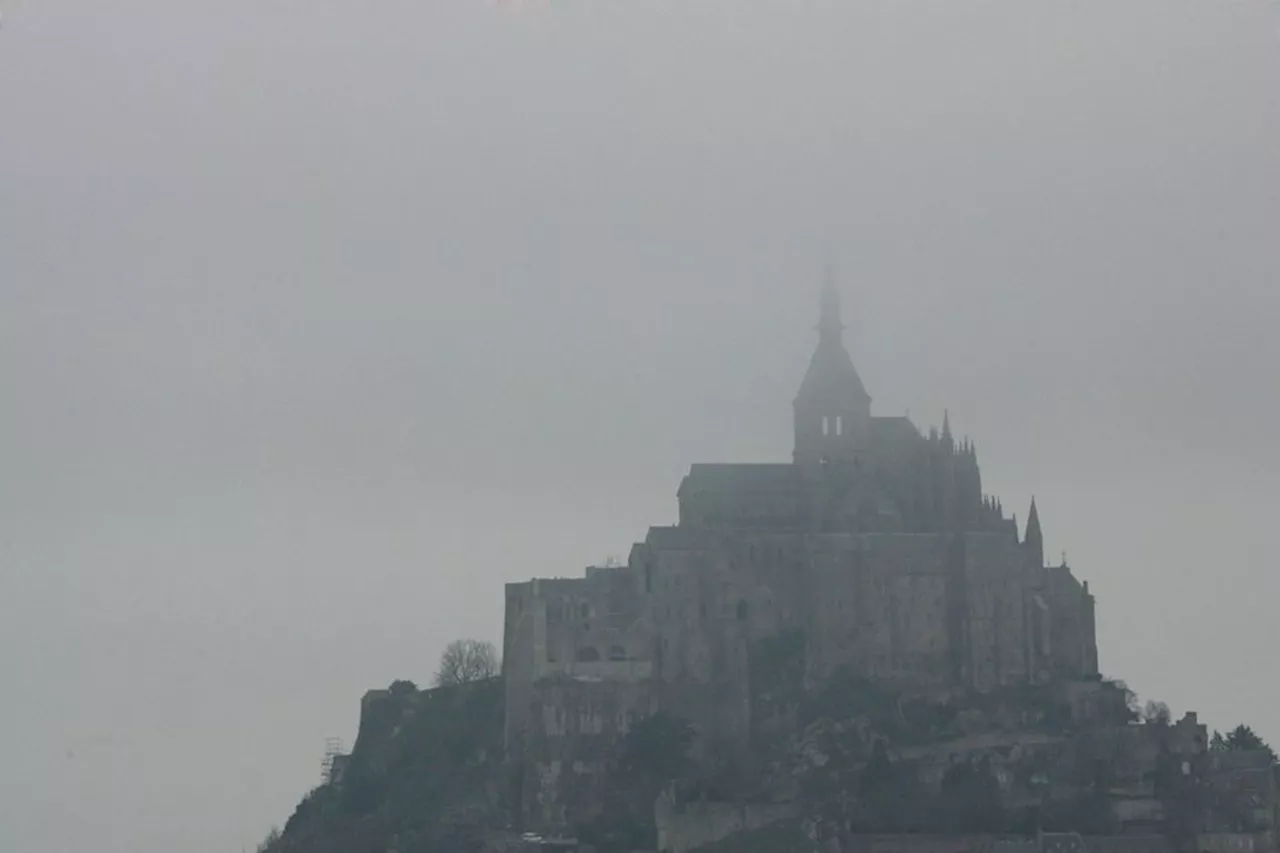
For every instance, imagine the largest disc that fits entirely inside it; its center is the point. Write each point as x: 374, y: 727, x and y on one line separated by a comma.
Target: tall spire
x: 829, y: 323
x: 1035, y: 538
x: 832, y: 408
x: 947, y: 440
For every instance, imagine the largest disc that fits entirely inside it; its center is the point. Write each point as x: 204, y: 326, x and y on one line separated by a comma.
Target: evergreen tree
x: 1241, y: 739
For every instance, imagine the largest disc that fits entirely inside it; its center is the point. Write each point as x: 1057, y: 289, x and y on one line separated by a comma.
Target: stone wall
x: 1073, y: 645
x: 1236, y: 842
x: 995, y: 592
x: 687, y: 826
x: 572, y: 741
x: 905, y: 578
x: 1243, y: 791
x: 592, y: 628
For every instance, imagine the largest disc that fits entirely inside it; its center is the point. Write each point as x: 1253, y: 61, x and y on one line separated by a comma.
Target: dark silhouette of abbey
x: 875, y: 543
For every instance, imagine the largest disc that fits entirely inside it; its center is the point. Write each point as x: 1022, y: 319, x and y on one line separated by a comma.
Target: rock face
x: 426, y: 773
x: 862, y: 764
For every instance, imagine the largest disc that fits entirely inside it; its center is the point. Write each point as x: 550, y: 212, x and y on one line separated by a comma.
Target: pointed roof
x: 831, y: 372
x: 829, y: 322
x: 1033, y: 524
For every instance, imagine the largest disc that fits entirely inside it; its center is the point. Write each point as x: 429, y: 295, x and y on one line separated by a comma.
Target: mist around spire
x: 830, y: 323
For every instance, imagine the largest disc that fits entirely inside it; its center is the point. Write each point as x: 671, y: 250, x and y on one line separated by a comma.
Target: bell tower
x: 833, y: 409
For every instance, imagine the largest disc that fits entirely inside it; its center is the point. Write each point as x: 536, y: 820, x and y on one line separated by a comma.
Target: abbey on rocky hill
x: 853, y: 651
x: 875, y: 543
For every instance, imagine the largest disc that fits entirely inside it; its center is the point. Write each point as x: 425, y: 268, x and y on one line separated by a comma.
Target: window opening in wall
x: 825, y: 426
x: 584, y: 610
x: 588, y: 654
x: 617, y: 653
x: 839, y: 425
x: 742, y: 611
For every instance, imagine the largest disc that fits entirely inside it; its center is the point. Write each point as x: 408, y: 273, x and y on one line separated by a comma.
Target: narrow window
x: 839, y: 425
x: 742, y: 611
x: 825, y: 426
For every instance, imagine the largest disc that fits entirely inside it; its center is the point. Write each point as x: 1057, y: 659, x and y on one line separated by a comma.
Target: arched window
x: 742, y: 611
x: 584, y: 610
x: 617, y: 653
x: 588, y: 654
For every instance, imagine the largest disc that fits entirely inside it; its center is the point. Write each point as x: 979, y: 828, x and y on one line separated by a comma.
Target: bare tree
x: 464, y: 661
x: 1156, y: 713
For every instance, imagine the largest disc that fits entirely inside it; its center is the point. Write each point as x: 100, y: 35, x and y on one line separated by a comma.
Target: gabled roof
x: 894, y: 428
x: 747, y: 477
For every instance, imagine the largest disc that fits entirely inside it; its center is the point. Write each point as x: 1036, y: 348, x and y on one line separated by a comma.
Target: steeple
x: 832, y: 409
x: 829, y: 322
x: 1034, y: 541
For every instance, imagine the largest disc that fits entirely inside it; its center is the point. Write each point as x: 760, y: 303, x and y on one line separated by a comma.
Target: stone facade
x: 876, y: 542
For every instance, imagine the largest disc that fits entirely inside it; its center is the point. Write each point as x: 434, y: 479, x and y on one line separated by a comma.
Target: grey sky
x: 320, y: 320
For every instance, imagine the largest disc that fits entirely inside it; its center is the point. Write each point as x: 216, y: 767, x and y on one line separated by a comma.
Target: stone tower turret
x: 1034, y: 542
x: 833, y: 409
